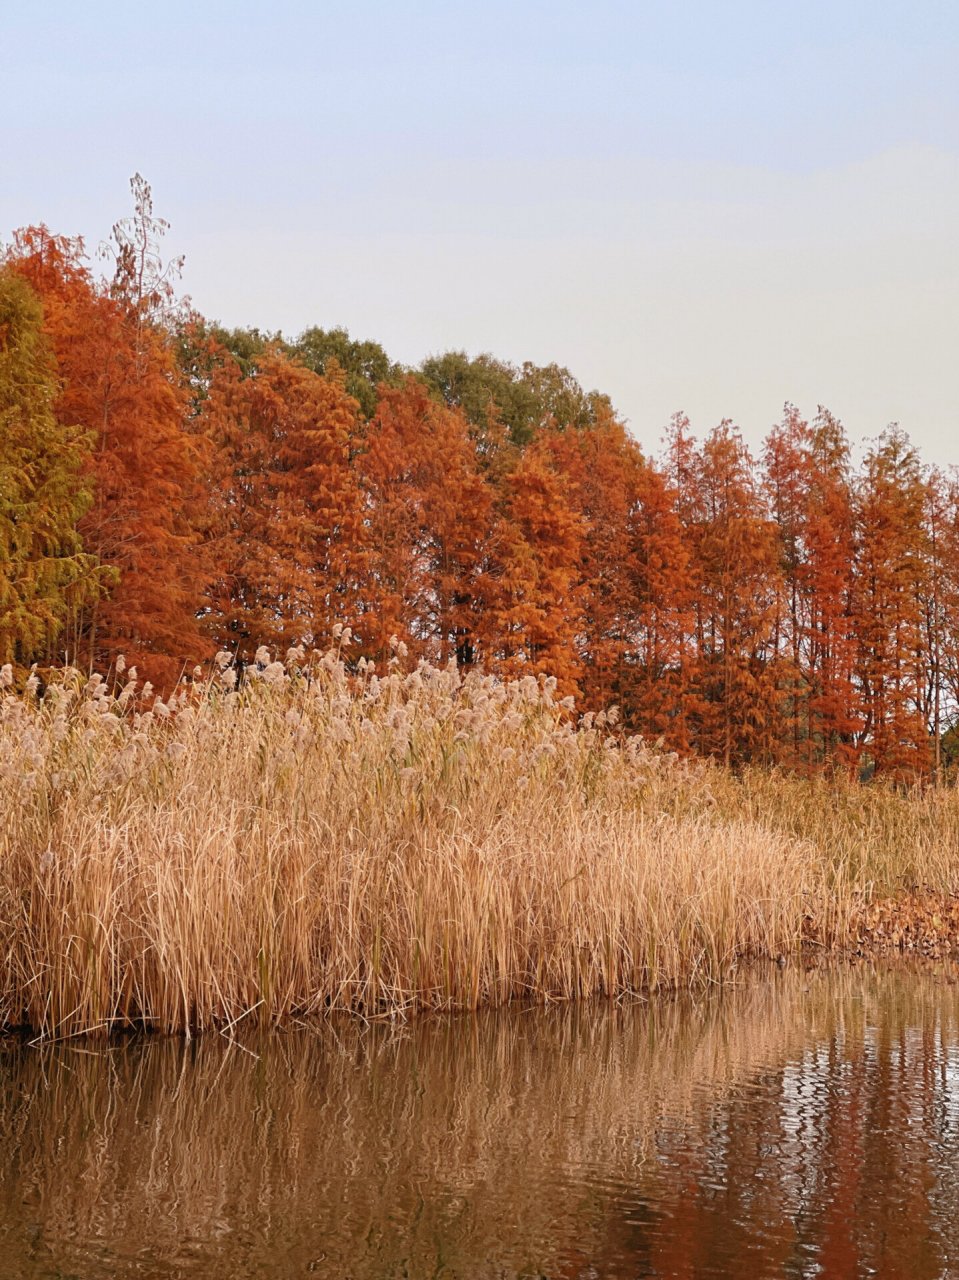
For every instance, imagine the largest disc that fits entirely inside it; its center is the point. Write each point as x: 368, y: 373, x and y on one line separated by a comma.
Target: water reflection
x: 804, y: 1125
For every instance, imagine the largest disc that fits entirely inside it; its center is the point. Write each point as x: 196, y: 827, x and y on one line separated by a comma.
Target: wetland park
x: 443, y: 837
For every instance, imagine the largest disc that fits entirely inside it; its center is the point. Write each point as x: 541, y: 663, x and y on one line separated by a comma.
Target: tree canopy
x: 170, y: 487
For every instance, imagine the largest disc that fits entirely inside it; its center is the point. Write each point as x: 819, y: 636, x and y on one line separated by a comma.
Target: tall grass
x: 329, y: 839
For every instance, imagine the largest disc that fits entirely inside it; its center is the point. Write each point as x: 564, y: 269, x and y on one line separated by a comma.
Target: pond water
x: 805, y: 1123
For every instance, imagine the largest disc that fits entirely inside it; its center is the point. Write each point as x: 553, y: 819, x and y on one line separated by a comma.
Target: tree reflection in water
x: 803, y: 1123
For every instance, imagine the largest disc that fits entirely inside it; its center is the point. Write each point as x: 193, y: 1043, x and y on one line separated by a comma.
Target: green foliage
x: 559, y: 396
x: 365, y: 365
x: 44, y: 488
x: 486, y: 389
x: 361, y: 367
x: 200, y: 347
x: 521, y: 399
x: 247, y: 346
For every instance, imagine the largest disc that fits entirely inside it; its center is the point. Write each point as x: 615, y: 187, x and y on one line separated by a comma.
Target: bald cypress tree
x: 45, y: 574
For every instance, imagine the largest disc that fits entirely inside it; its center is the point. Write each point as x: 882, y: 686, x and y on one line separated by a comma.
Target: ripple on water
x: 802, y: 1124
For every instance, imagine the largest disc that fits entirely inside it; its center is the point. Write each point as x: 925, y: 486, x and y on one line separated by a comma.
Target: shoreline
x: 918, y: 922
x: 914, y: 929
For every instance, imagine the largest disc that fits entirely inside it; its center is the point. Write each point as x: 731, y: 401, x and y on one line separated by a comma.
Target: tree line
x: 169, y: 488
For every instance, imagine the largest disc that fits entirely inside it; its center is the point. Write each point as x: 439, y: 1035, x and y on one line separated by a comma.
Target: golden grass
x: 320, y: 840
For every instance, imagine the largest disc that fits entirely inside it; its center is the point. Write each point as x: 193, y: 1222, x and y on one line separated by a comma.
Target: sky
x: 712, y: 206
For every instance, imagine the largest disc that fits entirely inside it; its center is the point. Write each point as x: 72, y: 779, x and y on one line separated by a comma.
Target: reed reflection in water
x: 805, y: 1124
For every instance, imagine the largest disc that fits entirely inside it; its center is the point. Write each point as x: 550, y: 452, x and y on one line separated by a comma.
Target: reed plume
x: 318, y: 837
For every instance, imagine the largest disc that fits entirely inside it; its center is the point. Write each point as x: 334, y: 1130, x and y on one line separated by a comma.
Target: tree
x: 663, y: 687
x: 560, y: 399
x: 365, y: 365
x: 939, y: 616
x: 119, y: 383
x: 602, y: 472
x: 45, y: 575
x: 426, y: 529
x: 735, y: 550
x: 285, y: 508
x: 534, y: 623
x: 807, y: 477
x: 891, y: 581
x: 486, y: 390
x: 523, y: 399
x: 142, y: 282
x: 941, y: 610
x: 633, y: 576
x: 682, y: 476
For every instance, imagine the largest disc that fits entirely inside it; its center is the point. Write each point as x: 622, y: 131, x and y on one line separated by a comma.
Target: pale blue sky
x: 703, y: 206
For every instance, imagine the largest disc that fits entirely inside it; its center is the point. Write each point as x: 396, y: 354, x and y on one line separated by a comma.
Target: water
x: 805, y: 1124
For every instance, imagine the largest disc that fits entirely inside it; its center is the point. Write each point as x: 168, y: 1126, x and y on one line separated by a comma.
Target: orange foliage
x: 888, y: 617
x: 791, y: 613
x: 807, y: 469
x: 535, y: 619
x: 426, y: 529
x: 119, y: 382
x: 734, y: 550
x: 284, y: 513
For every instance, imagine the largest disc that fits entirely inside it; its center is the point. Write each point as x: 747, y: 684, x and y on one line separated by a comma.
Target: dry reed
x: 326, y: 839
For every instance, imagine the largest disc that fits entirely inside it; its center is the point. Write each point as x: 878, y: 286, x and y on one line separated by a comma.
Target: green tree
x: 246, y: 346
x: 365, y: 364
x: 44, y: 488
x: 521, y: 399
x: 487, y: 390
x: 560, y: 398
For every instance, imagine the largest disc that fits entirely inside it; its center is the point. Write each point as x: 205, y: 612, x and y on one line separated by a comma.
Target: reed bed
x: 324, y: 838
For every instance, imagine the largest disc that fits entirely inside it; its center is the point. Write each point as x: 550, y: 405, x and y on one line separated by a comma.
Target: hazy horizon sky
x: 709, y: 207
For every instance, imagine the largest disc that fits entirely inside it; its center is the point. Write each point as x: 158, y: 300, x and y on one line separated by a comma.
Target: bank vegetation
x: 310, y: 836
